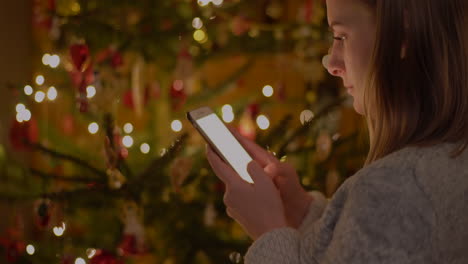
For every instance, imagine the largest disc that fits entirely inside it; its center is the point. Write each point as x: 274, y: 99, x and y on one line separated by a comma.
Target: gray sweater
x: 408, y: 207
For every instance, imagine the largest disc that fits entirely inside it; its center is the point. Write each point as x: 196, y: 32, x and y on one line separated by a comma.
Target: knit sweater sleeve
x: 373, y: 218
x: 316, y: 208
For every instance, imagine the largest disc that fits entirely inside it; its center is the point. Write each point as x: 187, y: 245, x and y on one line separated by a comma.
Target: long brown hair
x: 418, y: 96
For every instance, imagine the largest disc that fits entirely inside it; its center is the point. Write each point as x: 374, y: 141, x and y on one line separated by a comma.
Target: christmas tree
x: 103, y: 167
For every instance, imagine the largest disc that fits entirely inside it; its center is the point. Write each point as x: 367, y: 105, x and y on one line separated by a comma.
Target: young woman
x: 405, y: 63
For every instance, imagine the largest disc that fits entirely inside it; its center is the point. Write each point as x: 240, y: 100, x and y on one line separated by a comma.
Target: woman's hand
x: 295, y: 199
x: 256, y: 207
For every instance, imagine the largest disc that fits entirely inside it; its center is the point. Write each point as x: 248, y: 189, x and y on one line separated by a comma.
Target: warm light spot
x: 40, y: 80
x: 80, y: 261
x: 90, y: 252
x: 20, y: 107
x: 28, y: 90
x: 197, y: 23
x: 228, y: 114
x: 54, y: 61
x: 128, y: 128
x: 90, y: 91
x: 39, y: 96
x: 127, y: 141
x: 217, y: 2
x: 52, y: 93
x: 200, y: 36
x: 145, y: 148
x: 176, y: 125
x: 263, y: 122
x: 203, y: 2
x: 306, y: 116
x: 46, y: 59
x: 93, y: 128
x: 30, y: 249
x: 59, y: 230
x: 267, y: 91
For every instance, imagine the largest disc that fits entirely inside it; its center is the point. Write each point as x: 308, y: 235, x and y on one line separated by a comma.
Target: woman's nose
x: 334, y: 63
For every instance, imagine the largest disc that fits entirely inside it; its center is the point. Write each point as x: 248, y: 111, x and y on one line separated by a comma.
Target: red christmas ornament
x: 240, y: 25
x: 128, y: 98
x: 178, y: 94
x: 253, y: 110
x: 128, y: 245
x: 80, y: 56
x: 23, y: 133
x: 105, y: 257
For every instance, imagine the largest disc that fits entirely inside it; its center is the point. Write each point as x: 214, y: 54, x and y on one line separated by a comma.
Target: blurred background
x: 98, y: 163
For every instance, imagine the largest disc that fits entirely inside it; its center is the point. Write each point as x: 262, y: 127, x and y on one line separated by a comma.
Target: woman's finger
x: 258, y: 153
x: 224, y: 172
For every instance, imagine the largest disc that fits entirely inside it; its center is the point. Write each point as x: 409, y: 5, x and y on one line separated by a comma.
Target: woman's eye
x: 341, y: 38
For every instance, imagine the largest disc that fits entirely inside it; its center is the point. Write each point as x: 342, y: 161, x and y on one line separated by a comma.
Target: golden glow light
x: 28, y: 90
x: 93, y: 128
x: 39, y: 96
x: 46, y: 59
x: 128, y: 128
x: 263, y: 122
x: 90, y: 252
x: 54, y: 61
x: 80, y: 261
x: 267, y: 91
x: 30, y: 249
x: 90, y: 91
x: 145, y: 148
x: 203, y: 2
x: 52, y: 93
x: 228, y: 113
x: 40, y: 80
x: 306, y: 116
x: 59, y: 230
x: 176, y: 126
x: 217, y: 2
x: 200, y: 36
x: 20, y: 107
x: 127, y: 141
x: 197, y: 23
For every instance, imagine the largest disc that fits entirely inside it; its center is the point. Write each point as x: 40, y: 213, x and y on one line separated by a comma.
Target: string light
x: 59, y: 230
x: 80, y: 261
x: 203, y: 2
x: 90, y: 252
x: 200, y: 36
x: 46, y: 59
x: 52, y: 93
x: 54, y: 61
x: 39, y: 96
x: 40, y: 80
x: 217, y: 2
x: 28, y: 90
x: 176, y: 126
x: 90, y: 91
x: 197, y: 23
x: 306, y: 116
x: 145, y: 148
x: 20, y: 107
x: 30, y: 249
x: 127, y: 141
x: 93, y: 128
x: 263, y: 122
x: 128, y: 128
x: 267, y: 91
x: 228, y: 113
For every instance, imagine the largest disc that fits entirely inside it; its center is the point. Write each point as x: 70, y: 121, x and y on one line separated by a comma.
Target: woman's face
x: 353, y: 25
